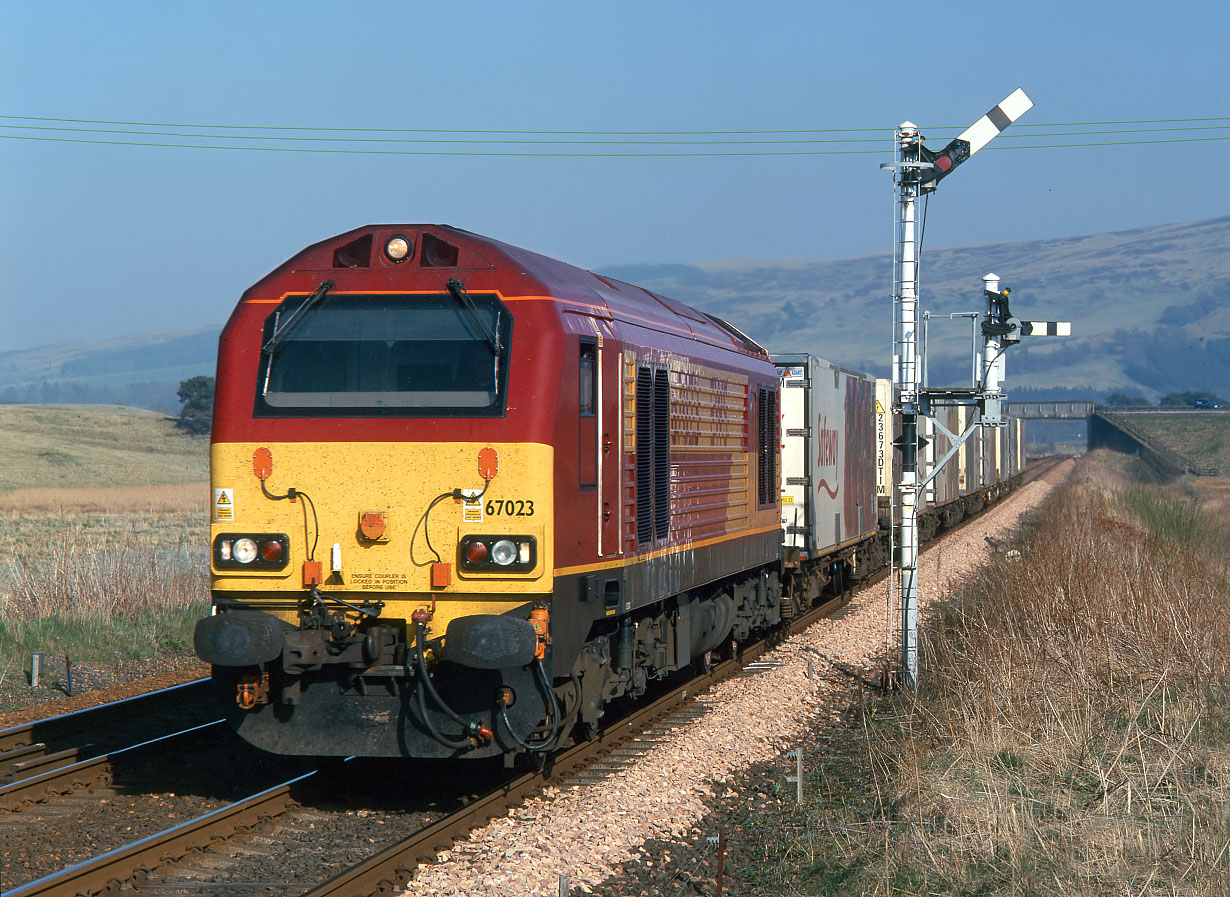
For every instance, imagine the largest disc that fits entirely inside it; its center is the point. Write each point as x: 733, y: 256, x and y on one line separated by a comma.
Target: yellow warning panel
x: 224, y: 504
x: 879, y: 407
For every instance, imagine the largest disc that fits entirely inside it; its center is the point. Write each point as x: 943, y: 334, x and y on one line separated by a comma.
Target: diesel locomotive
x: 465, y: 496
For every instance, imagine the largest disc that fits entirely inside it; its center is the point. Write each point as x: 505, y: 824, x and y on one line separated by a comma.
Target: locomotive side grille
x: 767, y: 447
x: 661, y: 454
x: 644, y: 455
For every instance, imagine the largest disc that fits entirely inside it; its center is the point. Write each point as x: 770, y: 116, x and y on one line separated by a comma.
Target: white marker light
x: 397, y: 249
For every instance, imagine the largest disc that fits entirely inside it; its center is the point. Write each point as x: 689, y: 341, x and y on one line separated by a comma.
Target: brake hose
x: 473, y: 729
x: 555, y: 714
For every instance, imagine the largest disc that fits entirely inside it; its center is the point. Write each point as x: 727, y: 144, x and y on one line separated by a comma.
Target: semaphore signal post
x: 916, y: 172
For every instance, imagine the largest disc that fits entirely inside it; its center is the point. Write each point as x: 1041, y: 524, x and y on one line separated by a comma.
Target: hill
x: 1150, y: 308
x: 73, y: 446
x: 142, y: 370
x: 1150, y: 313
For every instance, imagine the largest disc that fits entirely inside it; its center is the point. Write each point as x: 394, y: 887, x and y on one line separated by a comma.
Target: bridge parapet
x: 1050, y: 410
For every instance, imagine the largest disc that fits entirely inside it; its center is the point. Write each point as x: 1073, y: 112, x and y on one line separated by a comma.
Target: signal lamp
x: 271, y: 550
x: 476, y: 552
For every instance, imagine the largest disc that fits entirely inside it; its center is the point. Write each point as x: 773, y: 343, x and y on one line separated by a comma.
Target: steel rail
x: 69, y: 774
x: 389, y: 870
x: 130, y: 863
x: 49, y: 730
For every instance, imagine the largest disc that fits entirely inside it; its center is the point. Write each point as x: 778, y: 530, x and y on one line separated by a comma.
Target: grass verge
x: 1071, y: 734
x: 100, y: 587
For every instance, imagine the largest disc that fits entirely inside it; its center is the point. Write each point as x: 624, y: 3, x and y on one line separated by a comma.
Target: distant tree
x: 197, y: 396
x: 1123, y: 398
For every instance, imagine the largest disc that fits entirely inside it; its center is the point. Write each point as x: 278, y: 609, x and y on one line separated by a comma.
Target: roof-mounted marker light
x: 398, y: 248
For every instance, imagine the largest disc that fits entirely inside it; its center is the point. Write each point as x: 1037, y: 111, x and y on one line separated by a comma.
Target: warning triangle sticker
x: 879, y: 407
x: 224, y: 499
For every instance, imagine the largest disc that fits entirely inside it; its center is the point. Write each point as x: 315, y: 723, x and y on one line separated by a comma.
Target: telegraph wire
x: 597, y: 154
x: 665, y: 133
x: 581, y: 144
x: 521, y: 140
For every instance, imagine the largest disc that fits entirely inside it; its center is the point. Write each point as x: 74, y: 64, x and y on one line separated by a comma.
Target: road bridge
x: 1051, y: 410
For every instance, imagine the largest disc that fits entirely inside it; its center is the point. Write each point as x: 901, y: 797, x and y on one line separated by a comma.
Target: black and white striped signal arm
x: 1000, y: 324
x: 1046, y: 328
x: 975, y: 137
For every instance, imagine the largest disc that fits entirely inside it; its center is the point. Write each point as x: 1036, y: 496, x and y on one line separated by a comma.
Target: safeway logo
x: 829, y: 445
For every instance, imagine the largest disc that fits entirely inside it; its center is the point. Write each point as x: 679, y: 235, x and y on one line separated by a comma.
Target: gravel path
x: 589, y: 833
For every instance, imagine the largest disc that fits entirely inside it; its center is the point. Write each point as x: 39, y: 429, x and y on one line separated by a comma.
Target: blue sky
x: 104, y: 240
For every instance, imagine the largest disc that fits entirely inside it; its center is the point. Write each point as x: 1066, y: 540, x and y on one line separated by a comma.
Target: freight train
x: 464, y: 496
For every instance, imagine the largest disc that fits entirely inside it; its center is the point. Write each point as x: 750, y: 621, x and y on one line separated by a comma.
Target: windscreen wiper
x: 280, y: 331
x: 492, y: 336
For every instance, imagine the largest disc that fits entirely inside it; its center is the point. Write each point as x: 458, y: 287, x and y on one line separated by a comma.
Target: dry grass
x: 101, y: 588
x: 101, y: 573
x: 1072, y: 731
x: 162, y: 499
x: 103, y: 534
x: 74, y: 446
x: 1202, y: 439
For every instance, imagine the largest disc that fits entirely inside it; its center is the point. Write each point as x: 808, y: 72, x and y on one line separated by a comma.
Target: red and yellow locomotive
x: 464, y: 495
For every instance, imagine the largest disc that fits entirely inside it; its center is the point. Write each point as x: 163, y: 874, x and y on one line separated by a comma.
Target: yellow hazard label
x: 472, y: 512
x: 787, y: 499
x: 879, y: 407
x: 224, y: 504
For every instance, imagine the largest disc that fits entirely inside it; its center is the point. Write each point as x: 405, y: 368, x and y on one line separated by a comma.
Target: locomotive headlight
x: 504, y: 552
x: 244, y: 550
x: 398, y: 248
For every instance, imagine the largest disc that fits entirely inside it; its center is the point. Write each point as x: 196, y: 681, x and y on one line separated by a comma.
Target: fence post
x: 797, y: 778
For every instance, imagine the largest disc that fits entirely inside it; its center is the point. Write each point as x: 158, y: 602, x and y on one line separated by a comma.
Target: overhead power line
x: 847, y: 130
x: 577, y: 144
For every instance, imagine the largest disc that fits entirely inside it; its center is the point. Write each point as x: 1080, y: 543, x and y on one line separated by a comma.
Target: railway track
x: 148, y: 866
x: 142, y: 867
x: 83, y: 739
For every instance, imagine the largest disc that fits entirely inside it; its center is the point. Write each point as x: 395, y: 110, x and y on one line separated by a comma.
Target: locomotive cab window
x: 587, y: 416
x: 410, y: 355
x: 588, y: 382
